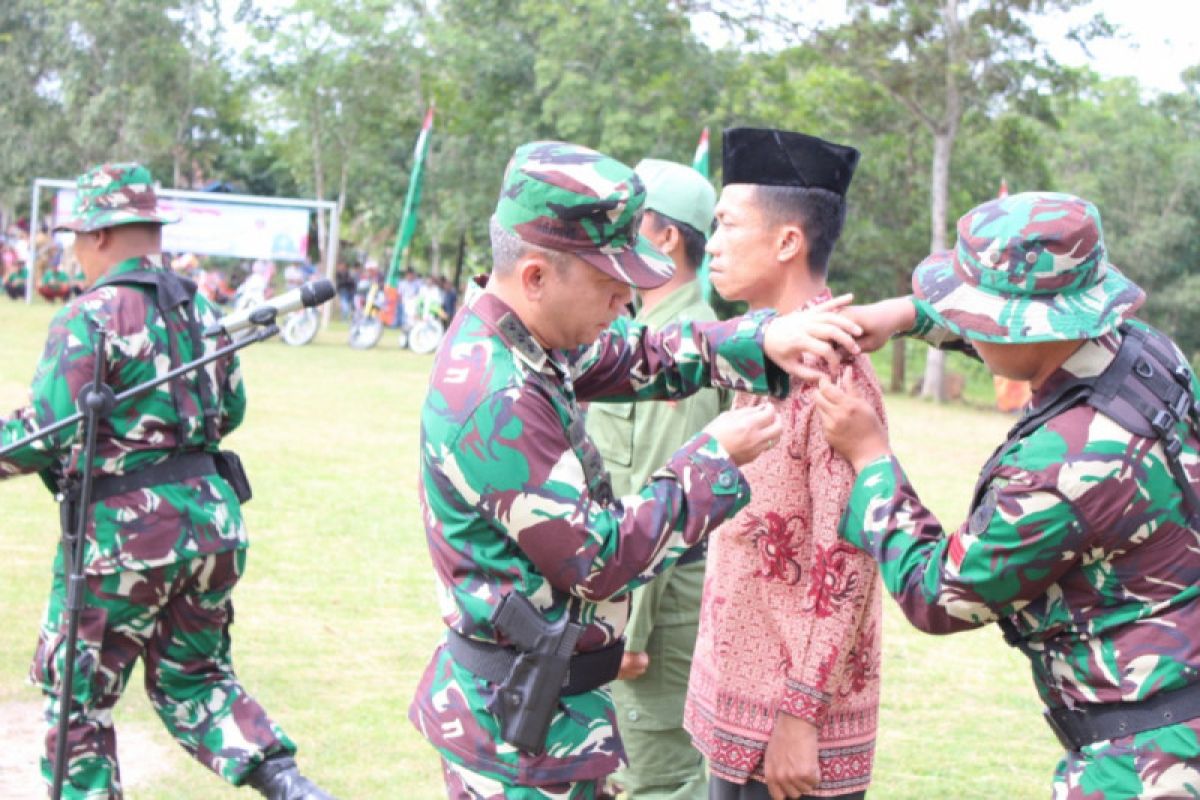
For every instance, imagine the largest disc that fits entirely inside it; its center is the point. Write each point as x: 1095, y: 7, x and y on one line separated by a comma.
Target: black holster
x: 229, y: 467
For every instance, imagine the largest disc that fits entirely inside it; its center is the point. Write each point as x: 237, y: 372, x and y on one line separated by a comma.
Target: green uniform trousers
x: 663, y: 764
x: 176, y: 619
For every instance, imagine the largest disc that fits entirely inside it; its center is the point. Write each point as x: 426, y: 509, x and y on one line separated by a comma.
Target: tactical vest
x: 175, y: 294
x: 1147, y: 390
x: 172, y: 295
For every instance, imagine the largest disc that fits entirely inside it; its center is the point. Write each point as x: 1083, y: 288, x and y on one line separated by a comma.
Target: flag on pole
x: 700, y: 160
x: 1003, y: 188
x: 408, y: 217
x: 700, y: 164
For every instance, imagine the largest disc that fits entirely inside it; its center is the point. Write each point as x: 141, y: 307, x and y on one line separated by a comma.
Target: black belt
x: 173, y: 470
x: 494, y: 663
x: 1084, y: 725
x: 696, y: 552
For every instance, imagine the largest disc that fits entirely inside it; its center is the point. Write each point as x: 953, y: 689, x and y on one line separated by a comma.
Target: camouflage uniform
x: 1079, y: 536
x: 515, y: 495
x: 159, y: 562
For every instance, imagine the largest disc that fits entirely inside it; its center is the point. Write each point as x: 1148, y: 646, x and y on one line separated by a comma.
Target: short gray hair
x: 508, y: 249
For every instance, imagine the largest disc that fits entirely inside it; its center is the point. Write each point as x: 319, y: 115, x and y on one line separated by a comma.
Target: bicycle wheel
x: 301, y: 327
x: 425, y: 336
x: 365, y: 332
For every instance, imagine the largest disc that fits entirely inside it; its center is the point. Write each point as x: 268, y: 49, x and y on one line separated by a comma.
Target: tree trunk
x: 462, y: 255
x: 899, y: 351
x: 318, y: 177
x: 934, y: 383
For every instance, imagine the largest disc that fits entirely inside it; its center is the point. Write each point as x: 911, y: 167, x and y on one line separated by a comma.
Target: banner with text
x: 225, y: 229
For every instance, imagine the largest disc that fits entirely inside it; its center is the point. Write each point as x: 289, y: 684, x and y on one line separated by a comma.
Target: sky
x: 1158, y: 38
x: 1157, y: 41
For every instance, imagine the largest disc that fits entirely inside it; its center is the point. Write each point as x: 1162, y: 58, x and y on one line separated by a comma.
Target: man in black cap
x: 784, y: 691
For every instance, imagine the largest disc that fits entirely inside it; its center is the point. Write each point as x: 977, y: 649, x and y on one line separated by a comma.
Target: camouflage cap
x: 1029, y: 267
x: 568, y: 198
x: 113, y: 194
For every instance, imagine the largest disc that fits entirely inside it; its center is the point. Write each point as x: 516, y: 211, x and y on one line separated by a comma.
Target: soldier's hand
x: 851, y: 426
x: 633, y: 665
x: 881, y: 321
x: 746, y: 433
x: 790, y: 763
x: 820, y: 331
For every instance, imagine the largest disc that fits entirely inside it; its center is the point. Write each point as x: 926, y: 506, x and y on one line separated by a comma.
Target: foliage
x: 327, y: 98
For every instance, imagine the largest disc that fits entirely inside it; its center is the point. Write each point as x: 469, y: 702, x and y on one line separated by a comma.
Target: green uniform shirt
x: 636, y: 439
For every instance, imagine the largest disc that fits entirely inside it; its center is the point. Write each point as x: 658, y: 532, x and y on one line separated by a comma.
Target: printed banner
x: 214, y: 228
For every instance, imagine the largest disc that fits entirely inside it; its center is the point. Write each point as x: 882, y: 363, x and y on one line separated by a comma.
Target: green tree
x: 941, y: 60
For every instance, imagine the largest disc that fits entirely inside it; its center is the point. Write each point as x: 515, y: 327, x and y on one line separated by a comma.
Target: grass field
x: 336, y: 614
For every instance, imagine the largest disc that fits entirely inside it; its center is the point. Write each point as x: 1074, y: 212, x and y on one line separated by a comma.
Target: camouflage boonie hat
x: 568, y: 198
x: 113, y: 194
x: 1029, y: 267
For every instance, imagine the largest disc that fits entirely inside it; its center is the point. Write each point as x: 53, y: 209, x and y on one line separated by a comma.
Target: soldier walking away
x: 165, y: 543
x: 534, y: 555
x: 1083, y: 542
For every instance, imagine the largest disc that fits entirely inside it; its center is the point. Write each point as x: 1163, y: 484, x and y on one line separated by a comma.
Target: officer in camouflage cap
x: 165, y: 542
x: 1082, y: 542
x: 515, y: 496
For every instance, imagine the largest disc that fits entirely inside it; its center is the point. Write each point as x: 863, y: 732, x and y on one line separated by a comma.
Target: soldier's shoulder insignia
x: 981, y: 515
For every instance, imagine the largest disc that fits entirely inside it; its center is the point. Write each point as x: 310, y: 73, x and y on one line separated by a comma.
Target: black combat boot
x: 278, y: 778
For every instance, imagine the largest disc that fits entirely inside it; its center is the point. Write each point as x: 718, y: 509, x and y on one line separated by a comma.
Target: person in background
x: 635, y: 440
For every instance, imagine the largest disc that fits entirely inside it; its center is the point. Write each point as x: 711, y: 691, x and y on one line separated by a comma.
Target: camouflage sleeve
x: 233, y: 391
x: 67, y: 364
x: 1011, y: 549
x: 513, y: 461
x: 633, y: 362
x: 929, y: 331
x: 233, y: 399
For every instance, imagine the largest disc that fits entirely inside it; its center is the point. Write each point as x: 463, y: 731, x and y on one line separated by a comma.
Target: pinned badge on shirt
x: 981, y: 517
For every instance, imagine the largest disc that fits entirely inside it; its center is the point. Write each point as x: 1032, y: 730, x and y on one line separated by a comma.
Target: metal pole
x: 261, y: 334
x: 31, y: 250
x: 331, y: 257
x: 95, y: 401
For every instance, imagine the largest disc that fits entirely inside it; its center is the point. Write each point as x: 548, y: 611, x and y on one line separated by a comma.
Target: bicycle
x: 366, y: 329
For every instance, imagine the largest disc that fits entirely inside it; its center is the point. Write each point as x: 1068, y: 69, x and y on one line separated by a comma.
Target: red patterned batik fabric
x: 790, y: 620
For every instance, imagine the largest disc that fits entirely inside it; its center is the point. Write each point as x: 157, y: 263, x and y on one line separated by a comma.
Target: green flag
x: 408, y: 218
x: 700, y: 164
x: 700, y: 160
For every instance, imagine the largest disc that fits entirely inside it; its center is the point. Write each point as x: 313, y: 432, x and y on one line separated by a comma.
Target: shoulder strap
x: 174, y: 292
x: 1147, y: 390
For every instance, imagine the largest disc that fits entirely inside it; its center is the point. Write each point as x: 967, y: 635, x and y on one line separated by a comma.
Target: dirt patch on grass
x: 22, y: 733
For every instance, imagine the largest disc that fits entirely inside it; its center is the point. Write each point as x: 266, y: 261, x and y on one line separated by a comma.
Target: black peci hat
x: 770, y: 157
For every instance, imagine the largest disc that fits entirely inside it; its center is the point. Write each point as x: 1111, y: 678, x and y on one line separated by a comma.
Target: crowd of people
x: 416, y: 297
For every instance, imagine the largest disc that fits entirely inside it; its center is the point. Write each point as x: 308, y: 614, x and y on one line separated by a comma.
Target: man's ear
x: 103, y: 238
x: 670, y: 239
x: 533, y: 272
x: 790, y: 243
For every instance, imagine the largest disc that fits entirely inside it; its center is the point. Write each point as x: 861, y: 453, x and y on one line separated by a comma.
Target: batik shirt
x: 790, y: 621
x: 1079, y: 537
x: 516, y: 498
x: 144, y: 528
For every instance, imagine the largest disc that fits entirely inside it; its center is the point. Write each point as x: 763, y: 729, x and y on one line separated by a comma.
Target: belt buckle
x: 1061, y: 722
